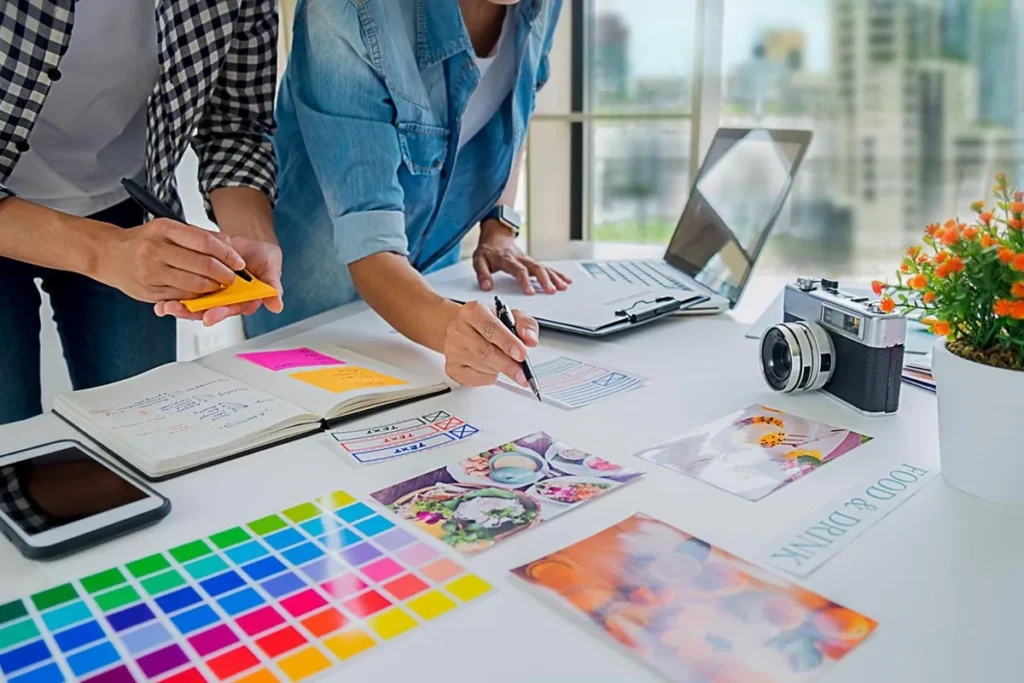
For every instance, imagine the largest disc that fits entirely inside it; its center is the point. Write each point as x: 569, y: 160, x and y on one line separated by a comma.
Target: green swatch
x: 17, y: 633
x: 147, y: 565
x: 190, y: 551
x: 206, y: 566
x: 161, y: 583
x: 300, y: 513
x: 229, y: 538
x: 11, y: 611
x: 103, y: 580
x: 268, y: 524
x: 55, y: 596
x: 116, y: 598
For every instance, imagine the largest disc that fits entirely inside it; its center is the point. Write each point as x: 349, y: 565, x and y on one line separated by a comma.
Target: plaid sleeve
x: 15, y: 503
x: 232, y: 140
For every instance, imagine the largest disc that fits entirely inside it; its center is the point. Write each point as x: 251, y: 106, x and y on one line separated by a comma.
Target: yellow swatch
x: 392, y: 623
x: 430, y: 605
x: 239, y: 292
x: 349, y: 643
x: 468, y: 587
x: 304, y: 664
x: 338, y: 499
x: 338, y: 380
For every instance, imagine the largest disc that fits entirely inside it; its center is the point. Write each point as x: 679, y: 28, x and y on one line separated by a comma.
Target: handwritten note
x: 835, y: 526
x: 289, y: 359
x: 346, y: 378
x: 403, y: 437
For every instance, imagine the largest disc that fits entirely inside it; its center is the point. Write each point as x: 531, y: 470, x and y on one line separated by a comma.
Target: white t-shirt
x: 91, y: 131
x: 497, y: 78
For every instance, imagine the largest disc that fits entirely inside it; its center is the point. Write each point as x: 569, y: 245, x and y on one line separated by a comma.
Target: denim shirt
x: 369, y: 118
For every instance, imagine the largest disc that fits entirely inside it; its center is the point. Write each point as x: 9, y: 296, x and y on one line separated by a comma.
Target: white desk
x: 943, y: 575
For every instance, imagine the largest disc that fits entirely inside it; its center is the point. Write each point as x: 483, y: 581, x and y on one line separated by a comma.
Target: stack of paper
x: 917, y: 370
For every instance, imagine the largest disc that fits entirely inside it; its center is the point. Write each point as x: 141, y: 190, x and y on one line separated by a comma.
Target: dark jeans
x: 107, y: 336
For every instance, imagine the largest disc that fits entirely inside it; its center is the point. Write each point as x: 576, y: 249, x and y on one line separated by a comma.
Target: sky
x: 662, y: 31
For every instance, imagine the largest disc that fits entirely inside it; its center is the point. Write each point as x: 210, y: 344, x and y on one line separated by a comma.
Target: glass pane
x: 640, y: 180
x: 640, y: 55
x: 913, y: 106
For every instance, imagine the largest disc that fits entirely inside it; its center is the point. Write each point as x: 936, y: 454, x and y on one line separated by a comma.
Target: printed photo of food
x: 475, y: 503
x: 693, y: 612
x: 755, y: 451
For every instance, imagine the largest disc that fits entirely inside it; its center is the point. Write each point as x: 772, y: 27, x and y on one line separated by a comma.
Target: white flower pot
x: 979, y: 427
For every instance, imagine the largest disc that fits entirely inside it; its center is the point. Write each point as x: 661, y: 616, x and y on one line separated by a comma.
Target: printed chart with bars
x: 282, y: 598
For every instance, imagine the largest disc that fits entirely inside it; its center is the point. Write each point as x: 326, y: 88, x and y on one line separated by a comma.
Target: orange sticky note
x: 346, y: 378
x: 239, y: 292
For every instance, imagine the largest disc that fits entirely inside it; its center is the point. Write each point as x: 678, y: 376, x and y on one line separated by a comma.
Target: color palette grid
x: 282, y: 598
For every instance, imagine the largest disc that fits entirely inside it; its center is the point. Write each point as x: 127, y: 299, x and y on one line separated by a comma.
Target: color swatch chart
x: 281, y: 598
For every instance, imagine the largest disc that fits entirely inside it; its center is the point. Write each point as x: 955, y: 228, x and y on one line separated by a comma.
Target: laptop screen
x: 740, y: 189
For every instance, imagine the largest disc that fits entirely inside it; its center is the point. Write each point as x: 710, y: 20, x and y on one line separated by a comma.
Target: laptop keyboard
x: 634, y: 272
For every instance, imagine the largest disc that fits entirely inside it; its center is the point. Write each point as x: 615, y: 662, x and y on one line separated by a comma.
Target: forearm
x: 48, y: 238
x: 508, y: 197
x: 400, y: 295
x: 244, y: 212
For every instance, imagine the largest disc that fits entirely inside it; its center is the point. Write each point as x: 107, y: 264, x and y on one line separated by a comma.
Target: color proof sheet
x: 403, y: 437
x: 480, y: 501
x: 692, y: 611
x: 755, y: 451
x: 281, y: 598
x: 570, y: 384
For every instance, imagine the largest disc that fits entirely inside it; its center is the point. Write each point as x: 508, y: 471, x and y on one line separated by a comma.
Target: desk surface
x: 942, y: 575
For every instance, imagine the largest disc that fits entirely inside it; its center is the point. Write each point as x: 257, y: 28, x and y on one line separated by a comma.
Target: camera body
x: 841, y: 343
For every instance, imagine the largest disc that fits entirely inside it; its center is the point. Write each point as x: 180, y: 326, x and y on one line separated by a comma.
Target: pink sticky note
x: 288, y: 359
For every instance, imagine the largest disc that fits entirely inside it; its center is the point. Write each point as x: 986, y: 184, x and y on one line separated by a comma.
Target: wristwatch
x: 507, y: 216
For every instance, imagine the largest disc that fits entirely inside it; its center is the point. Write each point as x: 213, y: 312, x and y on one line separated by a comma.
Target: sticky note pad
x: 289, y: 359
x: 238, y: 292
x: 346, y: 378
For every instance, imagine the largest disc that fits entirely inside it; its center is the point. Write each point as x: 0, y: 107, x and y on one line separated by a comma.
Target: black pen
x: 154, y: 206
x: 505, y: 316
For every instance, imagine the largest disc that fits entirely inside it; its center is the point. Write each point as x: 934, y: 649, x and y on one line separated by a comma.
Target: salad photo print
x: 477, y: 502
x: 694, y: 612
x: 755, y: 451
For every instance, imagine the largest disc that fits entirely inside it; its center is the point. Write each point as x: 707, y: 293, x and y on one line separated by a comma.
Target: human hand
x: 478, y: 347
x: 263, y: 260
x: 497, y: 251
x: 164, y: 259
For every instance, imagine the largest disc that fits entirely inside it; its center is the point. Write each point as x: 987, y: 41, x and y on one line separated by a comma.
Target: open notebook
x: 183, y: 416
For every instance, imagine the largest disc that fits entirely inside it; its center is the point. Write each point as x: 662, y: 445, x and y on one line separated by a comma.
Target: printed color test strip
x: 281, y: 598
x: 403, y: 437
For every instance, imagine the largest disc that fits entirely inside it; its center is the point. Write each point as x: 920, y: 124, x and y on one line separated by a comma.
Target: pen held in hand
x: 505, y: 316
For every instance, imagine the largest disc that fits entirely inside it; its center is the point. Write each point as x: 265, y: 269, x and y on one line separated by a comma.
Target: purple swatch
x: 119, y: 675
x: 322, y: 569
x: 360, y: 554
x: 395, y: 539
x: 155, y: 663
x: 210, y: 641
x: 146, y: 638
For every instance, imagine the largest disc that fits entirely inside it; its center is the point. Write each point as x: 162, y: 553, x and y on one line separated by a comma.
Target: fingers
x: 468, y: 377
x: 543, y: 276
x: 527, y: 328
x: 561, y: 281
x: 201, y: 241
x: 212, y: 271
x: 187, y: 282
x: 520, y: 273
x: 487, y: 325
x: 483, y: 272
x: 175, y: 309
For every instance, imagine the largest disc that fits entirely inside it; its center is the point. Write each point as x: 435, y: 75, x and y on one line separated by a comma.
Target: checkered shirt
x: 218, y: 70
x: 15, y: 504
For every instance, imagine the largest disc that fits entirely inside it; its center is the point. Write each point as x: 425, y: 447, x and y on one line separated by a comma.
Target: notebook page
x: 317, y: 376
x: 177, y: 410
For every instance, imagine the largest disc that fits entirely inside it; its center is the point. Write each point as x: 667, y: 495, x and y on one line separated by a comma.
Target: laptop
x: 740, y: 189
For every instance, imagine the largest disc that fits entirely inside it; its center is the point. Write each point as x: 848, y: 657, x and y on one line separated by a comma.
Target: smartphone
x: 61, y: 497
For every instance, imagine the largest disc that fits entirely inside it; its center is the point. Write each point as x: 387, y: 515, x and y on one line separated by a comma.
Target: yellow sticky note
x: 349, y: 643
x: 239, y: 292
x: 338, y: 380
x: 304, y: 664
x: 392, y: 623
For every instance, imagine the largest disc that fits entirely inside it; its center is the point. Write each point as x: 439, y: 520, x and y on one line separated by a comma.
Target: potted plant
x: 967, y: 281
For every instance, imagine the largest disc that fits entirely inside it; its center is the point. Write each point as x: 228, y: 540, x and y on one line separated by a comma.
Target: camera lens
x: 796, y: 356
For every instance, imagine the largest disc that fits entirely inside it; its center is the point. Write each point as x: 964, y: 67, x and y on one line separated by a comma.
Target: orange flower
x: 905, y: 267
x: 1018, y: 196
x: 929, y: 297
x: 941, y: 257
x: 1017, y: 208
x: 1002, y: 307
x: 956, y: 264
x: 950, y: 236
x: 941, y: 329
x: 949, y: 224
x: 931, y: 229
x: 877, y: 286
x: 943, y: 271
x: 1017, y: 310
x: 1014, y: 223
x: 1006, y: 255
x: 978, y: 206
x: 912, y: 252
x: 922, y: 259
x: 970, y: 233
x: 1018, y: 263
x: 918, y: 282
x: 1001, y: 179
x: 887, y: 305
x: 987, y: 240
x: 1018, y: 289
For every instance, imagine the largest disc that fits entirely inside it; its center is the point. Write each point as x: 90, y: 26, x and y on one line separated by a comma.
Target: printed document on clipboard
x: 592, y: 308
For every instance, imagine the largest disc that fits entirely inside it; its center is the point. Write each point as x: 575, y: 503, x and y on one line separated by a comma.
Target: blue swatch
x: 48, y: 673
x: 301, y: 554
x: 222, y: 583
x: 206, y: 566
x: 146, y: 638
x: 340, y: 538
x: 80, y: 635
x: 313, y: 527
x: 179, y: 599
x: 282, y: 585
x: 26, y: 655
x: 263, y: 568
x: 242, y: 601
x: 132, y: 616
x: 354, y: 512
x: 67, y: 615
x: 284, y: 538
x: 322, y: 569
x: 194, y: 619
x: 246, y: 552
x: 95, y: 657
x: 374, y: 525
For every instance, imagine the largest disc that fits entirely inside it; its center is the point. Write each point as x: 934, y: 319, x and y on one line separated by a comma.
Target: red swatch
x: 344, y: 586
x: 186, y: 676
x: 303, y: 603
x: 366, y: 604
x: 259, y: 621
x: 405, y: 587
x: 279, y: 642
x: 230, y: 663
x: 322, y: 623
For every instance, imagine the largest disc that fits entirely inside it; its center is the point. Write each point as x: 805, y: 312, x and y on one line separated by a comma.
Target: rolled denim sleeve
x: 345, y: 115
